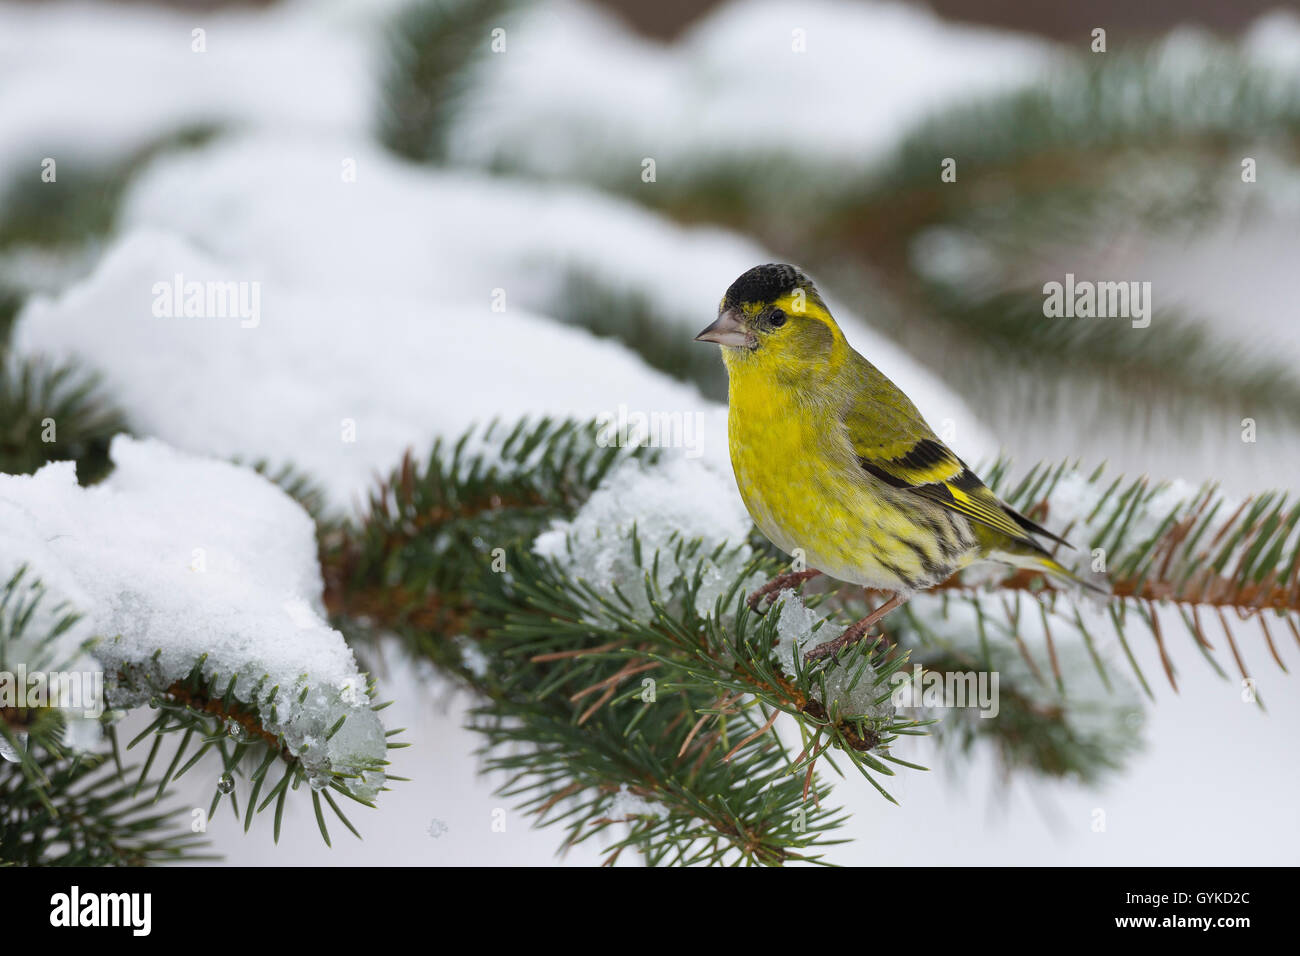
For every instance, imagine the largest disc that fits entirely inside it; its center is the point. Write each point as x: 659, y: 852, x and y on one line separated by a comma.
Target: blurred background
x: 464, y: 210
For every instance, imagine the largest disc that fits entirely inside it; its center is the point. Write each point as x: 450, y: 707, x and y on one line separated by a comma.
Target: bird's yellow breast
x: 798, y: 476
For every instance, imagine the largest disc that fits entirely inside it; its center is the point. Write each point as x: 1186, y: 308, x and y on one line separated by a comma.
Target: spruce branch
x: 560, y: 664
x: 61, y: 806
x: 11, y: 300
x: 1184, y: 366
x: 82, y: 203
x: 433, y: 49
x: 1164, y: 546
x: 90, y: 816
x: 243, y: 732
x: 659, y: 700
x: 495, y: 486
x: 250, y: 728
x: 54, y: 412
x: 697, y: 753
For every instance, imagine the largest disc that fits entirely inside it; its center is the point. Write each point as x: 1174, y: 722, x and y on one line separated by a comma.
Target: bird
x: 834, y: 462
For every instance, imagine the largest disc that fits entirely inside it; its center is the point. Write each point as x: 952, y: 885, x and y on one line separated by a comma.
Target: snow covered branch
x: 199, y: 594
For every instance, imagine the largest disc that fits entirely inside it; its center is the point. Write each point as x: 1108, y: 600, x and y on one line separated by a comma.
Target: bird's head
x: 773, y: 317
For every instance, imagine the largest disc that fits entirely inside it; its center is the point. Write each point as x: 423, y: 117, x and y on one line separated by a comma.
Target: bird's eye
x: 777, y: 318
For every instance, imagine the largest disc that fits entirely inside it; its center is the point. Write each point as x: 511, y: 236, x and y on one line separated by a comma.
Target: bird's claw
x: 789, y: 579
x: 855, y: 631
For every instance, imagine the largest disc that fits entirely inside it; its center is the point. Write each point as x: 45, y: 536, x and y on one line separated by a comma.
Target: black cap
x: 765, y: 283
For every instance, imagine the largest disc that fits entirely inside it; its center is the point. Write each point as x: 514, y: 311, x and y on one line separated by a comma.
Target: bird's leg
x: 779, y: 583
x: 854, y: 632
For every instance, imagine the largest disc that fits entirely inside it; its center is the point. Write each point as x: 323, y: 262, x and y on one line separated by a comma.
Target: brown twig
x: 752, y: 737
x: 1160, y: 644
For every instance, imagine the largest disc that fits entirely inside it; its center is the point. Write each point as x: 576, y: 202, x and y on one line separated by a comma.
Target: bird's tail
x: 1036, y: 561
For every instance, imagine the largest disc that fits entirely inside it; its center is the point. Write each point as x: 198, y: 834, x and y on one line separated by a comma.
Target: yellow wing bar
x: 929, y: 469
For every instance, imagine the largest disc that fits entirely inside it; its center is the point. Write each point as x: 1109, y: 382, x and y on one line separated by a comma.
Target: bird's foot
x: 854, y: 632
x: 789, y: 579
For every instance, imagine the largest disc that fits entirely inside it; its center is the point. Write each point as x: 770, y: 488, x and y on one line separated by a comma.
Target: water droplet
x: 225, y: 783
x: 7, y: 750
x: 154, y: 702
x: 319, y: 781
x: 236, y: 730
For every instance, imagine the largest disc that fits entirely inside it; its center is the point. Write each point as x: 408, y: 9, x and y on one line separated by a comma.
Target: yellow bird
x: 832, y: 458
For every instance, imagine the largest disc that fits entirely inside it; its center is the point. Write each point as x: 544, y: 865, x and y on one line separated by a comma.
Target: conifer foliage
x: 625, y: 690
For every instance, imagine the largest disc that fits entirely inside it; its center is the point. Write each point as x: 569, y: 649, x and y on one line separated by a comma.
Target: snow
x: 277, y: 203
x: 423, y: 231
x: 625, y: 804
x: 851, y: 689
x: 799, y: 629
x: 338, y: 383
x: 1074, y: 499
x: 577, y: 94
x: 174, y: 557
x: 291, y: 65
x: 472, y: 657
x: 377, y: 307
x: 1103, y: 719
x: 1273, y: 41
x: 679, y: 498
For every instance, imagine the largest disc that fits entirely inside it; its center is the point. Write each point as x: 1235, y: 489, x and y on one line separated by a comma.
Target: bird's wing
x: 909, y: 457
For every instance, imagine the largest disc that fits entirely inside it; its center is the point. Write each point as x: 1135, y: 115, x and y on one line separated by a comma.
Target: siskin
x: 832, y: 458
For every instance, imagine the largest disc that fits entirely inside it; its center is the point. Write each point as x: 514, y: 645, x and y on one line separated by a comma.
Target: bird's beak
x: 728, y: 330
